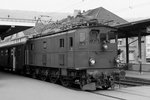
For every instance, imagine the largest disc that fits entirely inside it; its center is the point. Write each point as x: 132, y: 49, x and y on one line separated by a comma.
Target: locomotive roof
x: 75, y: 28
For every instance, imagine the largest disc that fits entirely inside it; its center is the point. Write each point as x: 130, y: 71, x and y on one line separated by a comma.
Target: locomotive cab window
x: 31, y: 46
x: 82, y: 38
x: 70, y: 41
x: 61, y: 43
x: 104, y: 37
x: 94, y: 36
x: 44, y: 45
x: 112, y: 37
x: 108, y: 37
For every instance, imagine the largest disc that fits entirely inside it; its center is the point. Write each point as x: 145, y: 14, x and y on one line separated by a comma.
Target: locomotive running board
x: 90, y: 87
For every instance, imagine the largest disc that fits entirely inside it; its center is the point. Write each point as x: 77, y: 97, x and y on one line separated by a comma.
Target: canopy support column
x: 127, y: 53
x: 139, y: 51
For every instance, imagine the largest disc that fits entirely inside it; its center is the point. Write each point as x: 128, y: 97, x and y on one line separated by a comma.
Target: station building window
x: 148, y: 50
x: 131, y: 55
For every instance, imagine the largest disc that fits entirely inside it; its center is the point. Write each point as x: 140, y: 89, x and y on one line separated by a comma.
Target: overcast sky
x: 123, y: 8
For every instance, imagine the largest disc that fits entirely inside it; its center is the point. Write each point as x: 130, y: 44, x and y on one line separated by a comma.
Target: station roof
x: 104, y: 16
x: 9, y: 26
x: 6, y: 30
x: 132, y: 29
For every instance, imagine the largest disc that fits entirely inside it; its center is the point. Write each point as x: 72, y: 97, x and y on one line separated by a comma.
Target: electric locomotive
x: 85, y: 55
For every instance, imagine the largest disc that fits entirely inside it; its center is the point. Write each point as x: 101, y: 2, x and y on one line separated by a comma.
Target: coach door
x: 70, y: 43
x: 26, y: 56
x: 13, y: 58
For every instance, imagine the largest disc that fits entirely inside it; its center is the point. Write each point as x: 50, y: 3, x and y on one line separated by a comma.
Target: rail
x: 130, y: 81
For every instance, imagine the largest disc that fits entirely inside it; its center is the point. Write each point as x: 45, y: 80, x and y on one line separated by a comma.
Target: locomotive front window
x: 94, y: 36
x: 104, y: 37
x: 108, y: 37
x: 112, y: 37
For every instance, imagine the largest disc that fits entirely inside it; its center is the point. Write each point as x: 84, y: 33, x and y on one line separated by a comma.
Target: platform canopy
x: 6, y: 30
x: 9, y: 26
x: 132, y: 29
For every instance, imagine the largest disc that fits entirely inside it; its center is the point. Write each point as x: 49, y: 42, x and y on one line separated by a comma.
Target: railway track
x: 114, y: 97
x: 130, y: 81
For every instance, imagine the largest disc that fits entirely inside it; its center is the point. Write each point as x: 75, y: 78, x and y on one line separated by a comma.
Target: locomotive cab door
x: 70, y: 45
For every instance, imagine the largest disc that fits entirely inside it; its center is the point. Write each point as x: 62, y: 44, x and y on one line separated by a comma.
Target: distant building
x: 76, y: 12
x: 104, y: 16
x: 133, y: 49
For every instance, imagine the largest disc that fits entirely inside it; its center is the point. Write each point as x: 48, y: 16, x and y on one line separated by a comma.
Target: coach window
x: 61, y: 43
x: 2, y: 52
x: 12, y: 51
x: 6, y: 52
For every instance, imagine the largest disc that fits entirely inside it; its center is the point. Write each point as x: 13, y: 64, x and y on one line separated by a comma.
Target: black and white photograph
x: 74, y: 50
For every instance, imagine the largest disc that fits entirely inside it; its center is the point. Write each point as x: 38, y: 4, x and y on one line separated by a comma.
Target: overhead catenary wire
x: 72, y: 5
x: 132, y: 6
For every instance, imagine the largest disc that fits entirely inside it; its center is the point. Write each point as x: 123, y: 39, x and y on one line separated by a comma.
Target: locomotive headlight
x: 117, y: 60
x: 105, y: 46
x: 92, y: 61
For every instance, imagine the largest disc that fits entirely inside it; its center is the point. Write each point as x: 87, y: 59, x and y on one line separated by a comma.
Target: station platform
x: 137, y: 74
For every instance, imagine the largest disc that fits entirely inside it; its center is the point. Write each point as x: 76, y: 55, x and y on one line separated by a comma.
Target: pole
x: 127, y: 52
x: 140, y: 54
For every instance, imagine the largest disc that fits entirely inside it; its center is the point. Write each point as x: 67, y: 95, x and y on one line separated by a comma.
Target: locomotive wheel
x: 35, y: 73
x: 53, y: 76
x: 44, y: 74
x: 65, y: 82
x: 27, y: 71
x: 82, y: 83
x: 105, y: 87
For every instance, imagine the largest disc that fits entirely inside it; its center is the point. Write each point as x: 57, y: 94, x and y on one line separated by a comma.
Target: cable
x: 131, y: 7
